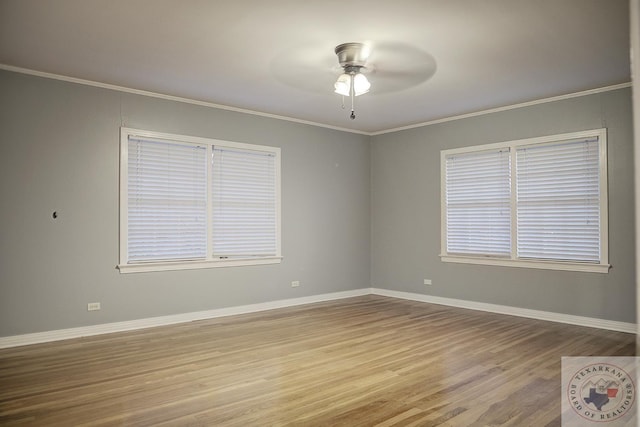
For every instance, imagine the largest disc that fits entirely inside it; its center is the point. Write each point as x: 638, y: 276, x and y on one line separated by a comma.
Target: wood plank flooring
x: 361, y: 361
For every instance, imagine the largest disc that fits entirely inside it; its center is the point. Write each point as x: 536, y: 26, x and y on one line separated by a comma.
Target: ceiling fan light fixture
x: 352, y: 58
x: 343, y: 85
x: 360, y: 84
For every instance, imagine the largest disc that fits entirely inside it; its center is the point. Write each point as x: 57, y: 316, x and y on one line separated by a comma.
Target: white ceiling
x: 277, y: 56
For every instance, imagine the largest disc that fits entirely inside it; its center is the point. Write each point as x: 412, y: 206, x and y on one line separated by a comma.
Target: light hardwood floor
x: 356, y: 362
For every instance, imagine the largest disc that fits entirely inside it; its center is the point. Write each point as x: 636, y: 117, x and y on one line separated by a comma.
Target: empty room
x: 250, y: 213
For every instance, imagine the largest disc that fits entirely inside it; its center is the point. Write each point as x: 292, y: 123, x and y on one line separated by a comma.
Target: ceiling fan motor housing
x: 352, y: 54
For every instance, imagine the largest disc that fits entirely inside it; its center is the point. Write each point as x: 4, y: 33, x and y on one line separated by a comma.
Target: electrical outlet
x: 93, y: 306
x: 427, y: 282
x: 295, y: 283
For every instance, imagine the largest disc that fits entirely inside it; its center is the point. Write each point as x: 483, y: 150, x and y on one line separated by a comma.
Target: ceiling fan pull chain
x: 353, y: 115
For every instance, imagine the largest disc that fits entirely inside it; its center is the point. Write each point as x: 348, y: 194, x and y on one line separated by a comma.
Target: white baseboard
x: 85, y: 331
x: 591, y: 322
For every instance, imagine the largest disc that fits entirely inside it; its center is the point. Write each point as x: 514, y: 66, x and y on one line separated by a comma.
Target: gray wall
x: 60, y: 152
x: 357, y: 211
x: 405, y: 197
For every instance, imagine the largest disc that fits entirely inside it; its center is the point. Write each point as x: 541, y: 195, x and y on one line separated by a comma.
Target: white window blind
x: 244, y: 203
x: 167, y: 201
x: 190, y: 202
x: 536, y: 202
x: 478, y: 214
x: 558, y: 201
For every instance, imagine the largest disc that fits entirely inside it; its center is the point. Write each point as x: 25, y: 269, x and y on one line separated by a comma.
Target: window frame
x: 147, y: 266
x: 513, y: 261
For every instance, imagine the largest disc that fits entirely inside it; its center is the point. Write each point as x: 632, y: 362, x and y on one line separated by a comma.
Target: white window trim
x: 140, y: 267
x: 602, y: 267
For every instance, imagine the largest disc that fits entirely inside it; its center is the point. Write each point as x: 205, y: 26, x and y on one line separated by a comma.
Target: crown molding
x: 300, y: 121
x: 170, y: 97
x: 507, y: 107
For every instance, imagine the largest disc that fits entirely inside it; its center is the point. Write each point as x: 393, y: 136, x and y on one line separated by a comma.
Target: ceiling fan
x: 362, y: 67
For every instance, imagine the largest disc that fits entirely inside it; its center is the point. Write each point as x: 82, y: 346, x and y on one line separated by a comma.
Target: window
x: 188, y: 202
x: 539, y: 203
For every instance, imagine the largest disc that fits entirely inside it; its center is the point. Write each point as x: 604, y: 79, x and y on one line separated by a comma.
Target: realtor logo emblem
x: 600, y: 392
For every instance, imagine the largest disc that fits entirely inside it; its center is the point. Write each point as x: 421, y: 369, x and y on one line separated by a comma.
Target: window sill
x: 192, y: 265
x: 545, y: 265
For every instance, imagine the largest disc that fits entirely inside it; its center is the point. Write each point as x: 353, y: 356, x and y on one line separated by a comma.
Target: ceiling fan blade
x: 391, y: 67
x: 312, y: 68
x: 395, y: 66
